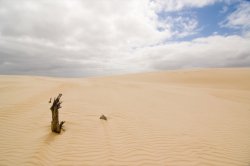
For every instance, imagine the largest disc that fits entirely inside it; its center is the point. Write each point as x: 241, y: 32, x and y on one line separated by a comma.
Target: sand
x: 186, y: 117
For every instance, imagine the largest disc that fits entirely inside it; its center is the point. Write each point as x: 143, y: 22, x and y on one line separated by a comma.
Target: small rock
x: 103, y: 117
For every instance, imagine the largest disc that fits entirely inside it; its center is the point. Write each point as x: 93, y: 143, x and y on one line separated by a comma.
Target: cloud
x: 180, y: 25
x: 83, y: 23
x: 81, y: 38
x: 240, y: 18
x: 177, y: 5
x: 213, y: 51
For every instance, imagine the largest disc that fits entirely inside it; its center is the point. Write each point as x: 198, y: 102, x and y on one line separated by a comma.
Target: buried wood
x: 55, y: 126
x: 103, y: 117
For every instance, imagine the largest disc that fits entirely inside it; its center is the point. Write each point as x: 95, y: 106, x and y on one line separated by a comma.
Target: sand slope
x: 196, y: 117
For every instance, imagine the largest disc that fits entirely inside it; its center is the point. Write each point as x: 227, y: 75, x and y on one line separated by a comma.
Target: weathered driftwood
x: 55, y: 126
x: 103, y: 117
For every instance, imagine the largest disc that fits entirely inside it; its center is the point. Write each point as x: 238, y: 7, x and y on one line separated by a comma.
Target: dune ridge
x: 186, y: 117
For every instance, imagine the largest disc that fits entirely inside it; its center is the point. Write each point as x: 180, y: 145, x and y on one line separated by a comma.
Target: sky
x: 80, y: 38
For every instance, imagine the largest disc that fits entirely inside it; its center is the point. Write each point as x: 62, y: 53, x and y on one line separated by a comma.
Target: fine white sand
x: 186, y: 117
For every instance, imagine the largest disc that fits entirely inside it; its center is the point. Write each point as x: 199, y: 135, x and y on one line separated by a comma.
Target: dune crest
x: 195, y: 117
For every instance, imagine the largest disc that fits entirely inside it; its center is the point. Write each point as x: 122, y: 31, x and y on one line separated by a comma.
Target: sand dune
x: 195, y: 117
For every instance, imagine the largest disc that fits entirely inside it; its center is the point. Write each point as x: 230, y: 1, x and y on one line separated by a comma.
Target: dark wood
x: 103, y: 117
x: 55, y: 126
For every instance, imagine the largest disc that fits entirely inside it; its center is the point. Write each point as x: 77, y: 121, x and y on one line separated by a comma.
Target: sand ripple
x: 153, y: 119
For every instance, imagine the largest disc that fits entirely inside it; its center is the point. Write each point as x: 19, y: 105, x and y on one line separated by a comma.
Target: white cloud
x: 240, y: 18
x: 214, y: 51
x: 77, y: 38
x: 180, y: 26
x: 176, y: 5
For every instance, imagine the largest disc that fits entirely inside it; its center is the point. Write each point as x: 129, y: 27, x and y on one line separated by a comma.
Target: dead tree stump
x: 55, y: 126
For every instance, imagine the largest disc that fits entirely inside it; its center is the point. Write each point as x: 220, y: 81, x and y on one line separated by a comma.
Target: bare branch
x: 55, y: 126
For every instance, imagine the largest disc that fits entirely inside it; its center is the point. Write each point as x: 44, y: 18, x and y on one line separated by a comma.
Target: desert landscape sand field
x: 177, y: 118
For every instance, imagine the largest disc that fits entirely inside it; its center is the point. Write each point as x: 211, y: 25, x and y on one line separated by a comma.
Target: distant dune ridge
x: 177, y: 118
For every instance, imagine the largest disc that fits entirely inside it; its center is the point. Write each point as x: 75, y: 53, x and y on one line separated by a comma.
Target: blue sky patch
x: 208, y: 20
